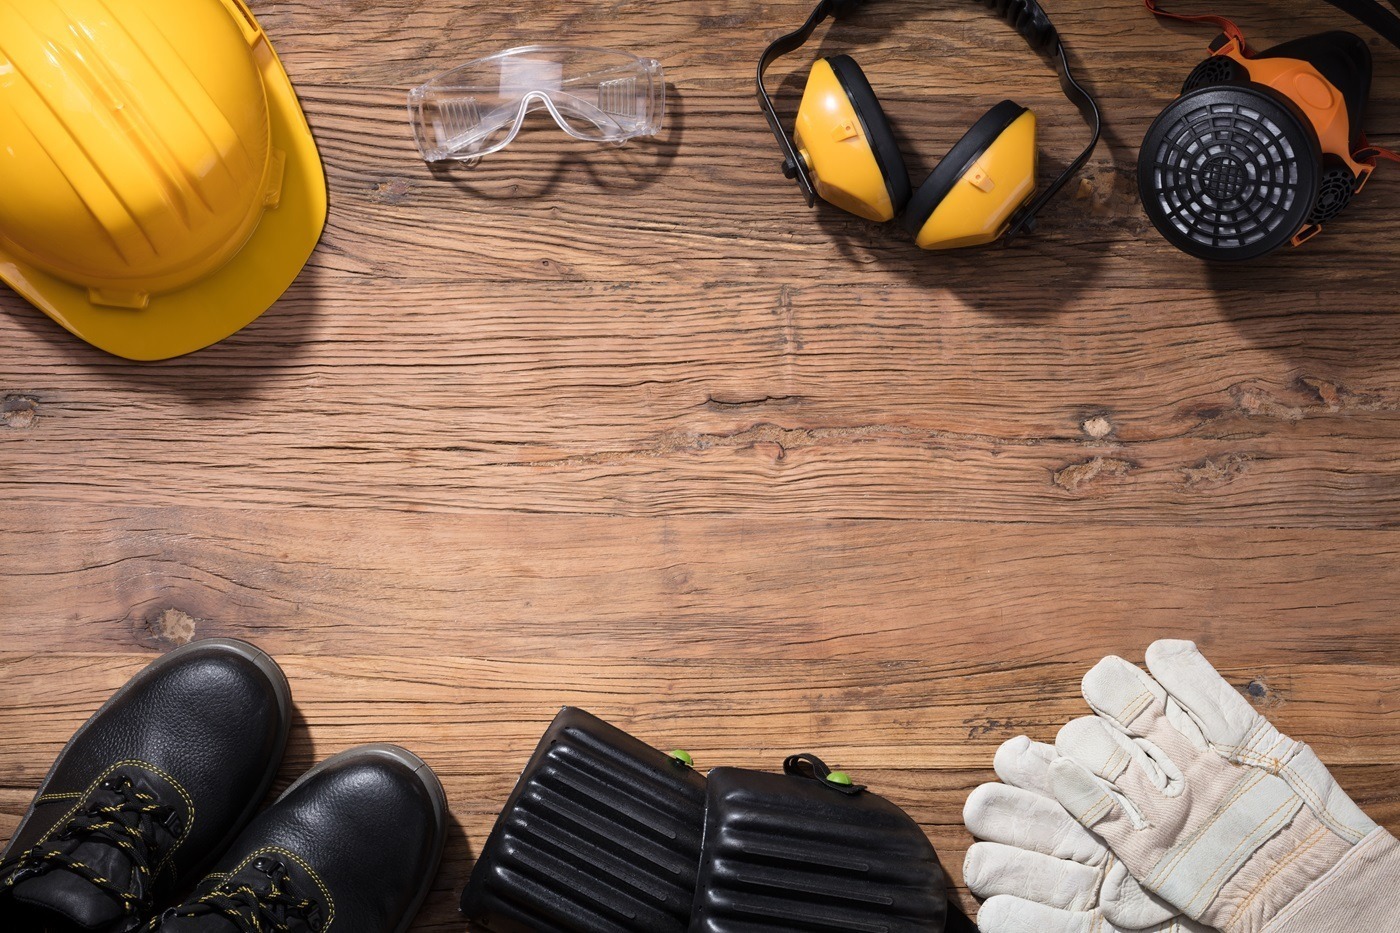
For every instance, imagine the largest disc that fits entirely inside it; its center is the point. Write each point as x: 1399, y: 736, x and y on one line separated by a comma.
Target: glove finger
x: 1091, y: 801
x: 1007, y: 914
x: 1134, y: 767
x: 991, y: 869
x: 1025, y: 764
x: 1224, y: 717
x: 1127, y: 904
x: 1026, y: 820
x: 1097, y: 746
x: 1120, y: 691
x: 1124, y: 695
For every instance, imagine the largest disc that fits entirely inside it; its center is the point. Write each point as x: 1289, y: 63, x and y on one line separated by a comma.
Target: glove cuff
x: 1356, y: 894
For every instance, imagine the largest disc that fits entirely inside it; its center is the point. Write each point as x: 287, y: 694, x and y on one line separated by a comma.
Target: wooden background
x: 635, y: 430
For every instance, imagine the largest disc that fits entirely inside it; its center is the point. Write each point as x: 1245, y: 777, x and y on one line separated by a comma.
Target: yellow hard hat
x: 159, y: 185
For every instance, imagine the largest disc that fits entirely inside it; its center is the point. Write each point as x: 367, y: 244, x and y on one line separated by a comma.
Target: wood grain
x: 551, y: 587
x: 636, y: 430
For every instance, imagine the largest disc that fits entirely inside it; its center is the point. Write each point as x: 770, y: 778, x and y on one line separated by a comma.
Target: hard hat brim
x: 228, y: 300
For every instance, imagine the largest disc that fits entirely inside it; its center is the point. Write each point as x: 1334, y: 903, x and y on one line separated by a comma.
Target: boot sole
x: 436, y: 794
x: 281, y: 690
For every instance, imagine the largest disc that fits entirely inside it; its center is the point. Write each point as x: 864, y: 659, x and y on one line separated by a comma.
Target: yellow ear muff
x: 970, y: 198
x: 843, y: 136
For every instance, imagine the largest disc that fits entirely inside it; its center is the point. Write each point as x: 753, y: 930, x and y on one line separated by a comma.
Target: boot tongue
x: 69, y: 896
x: 65, y: 895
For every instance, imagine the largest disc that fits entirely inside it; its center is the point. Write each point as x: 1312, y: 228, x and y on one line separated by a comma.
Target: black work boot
x: 147, y: 792
x: 356, y: 840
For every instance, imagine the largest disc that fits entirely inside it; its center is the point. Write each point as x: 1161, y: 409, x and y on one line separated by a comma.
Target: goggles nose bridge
x: 593, y: 95
x: 607, y: 124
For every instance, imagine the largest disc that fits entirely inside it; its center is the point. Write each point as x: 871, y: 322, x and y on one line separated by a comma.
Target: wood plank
x: 727, y: 587
x: 465, y: 714
x: 639, y: 400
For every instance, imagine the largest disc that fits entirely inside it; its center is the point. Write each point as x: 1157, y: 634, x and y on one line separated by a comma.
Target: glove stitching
x: 1243, y: 755
x: 1137, y: 705
x: 1317, y: 804
x: 1225, y: 864
x: 1092, y: 816
x: 1317, y: 888
x: 1237, y: 915
x: 1112, y: 764
x: 1244, y: 749
x: 1248, y: 783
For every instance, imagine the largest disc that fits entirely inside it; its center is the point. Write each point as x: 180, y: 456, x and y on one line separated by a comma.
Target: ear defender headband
x: 843, y: 150
x: 1263, y: 147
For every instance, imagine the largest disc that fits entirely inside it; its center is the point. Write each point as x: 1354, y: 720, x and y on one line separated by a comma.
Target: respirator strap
x: 1385, y: 23
x: 1224, y: 25
x: 1368, y: 12
x: 1370, y: 154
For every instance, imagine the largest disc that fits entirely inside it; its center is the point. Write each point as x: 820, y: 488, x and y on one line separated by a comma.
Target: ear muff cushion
x: 876, y: 126
x: 957, y: 162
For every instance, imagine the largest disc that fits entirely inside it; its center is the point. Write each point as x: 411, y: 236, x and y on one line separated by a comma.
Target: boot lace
x: 127, y: 823
x: 265, y: 902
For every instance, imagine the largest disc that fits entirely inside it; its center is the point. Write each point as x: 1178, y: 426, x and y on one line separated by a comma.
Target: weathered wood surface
x: 634, y: 429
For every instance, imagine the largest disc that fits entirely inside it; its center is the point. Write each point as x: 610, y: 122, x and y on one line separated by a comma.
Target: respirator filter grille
x: 1338, y: 185
x: 1229, y: 172
x: 1218, y: 69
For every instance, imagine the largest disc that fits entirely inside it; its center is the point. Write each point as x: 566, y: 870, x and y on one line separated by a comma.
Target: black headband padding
x: 957, y: 162
x: 1027, y: 18
x: 876, y: 126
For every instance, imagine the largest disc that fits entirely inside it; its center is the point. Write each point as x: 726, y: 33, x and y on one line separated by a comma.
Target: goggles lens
x: 593, y: 94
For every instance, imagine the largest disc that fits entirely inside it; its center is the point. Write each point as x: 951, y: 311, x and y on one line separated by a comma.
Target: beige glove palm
x: 1039, y: 870
x: 1215, y: 811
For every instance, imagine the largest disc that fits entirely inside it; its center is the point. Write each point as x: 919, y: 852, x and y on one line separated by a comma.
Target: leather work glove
x: 1215, y: 811
x: 1039, y: 869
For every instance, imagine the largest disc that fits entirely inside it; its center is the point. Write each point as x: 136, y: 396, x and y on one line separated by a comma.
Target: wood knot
x: 170, y: 628
x: 1097, y: 427
x: 1076, y: 476
x: 1259, y: 693
x: 1212, y: 473
x: 393, y: 191
x: 19, y: 411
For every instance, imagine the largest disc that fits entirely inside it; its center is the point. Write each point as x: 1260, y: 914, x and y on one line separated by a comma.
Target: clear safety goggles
x: 596, y: 95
